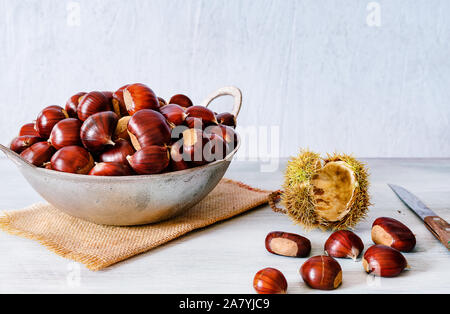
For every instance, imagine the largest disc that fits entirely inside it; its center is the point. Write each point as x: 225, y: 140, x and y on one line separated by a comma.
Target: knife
x: 438, y: 226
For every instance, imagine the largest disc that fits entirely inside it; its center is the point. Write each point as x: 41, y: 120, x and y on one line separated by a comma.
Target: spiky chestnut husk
x: 298, y: 197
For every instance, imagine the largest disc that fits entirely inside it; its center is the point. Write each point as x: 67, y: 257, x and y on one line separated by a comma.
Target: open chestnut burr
x: 199, y: 116
x: 38, y: 154
x: 72, y: 104
x: 147, y: 128
x: 72, y: 159
x: 181, y: 100
x: 66, y: 133
x: 93, y: 103
x: 97, y: 131
x: 28, y: 129
x: 117, y: 153
x: 111, y: 169
x: 139, y: 96
x: 150, y: 159
x: 48, y: 118
x: 20, y: 143
x: 322, y: 272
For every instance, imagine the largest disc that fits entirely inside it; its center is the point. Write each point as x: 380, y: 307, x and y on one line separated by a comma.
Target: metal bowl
x: 130, y: 200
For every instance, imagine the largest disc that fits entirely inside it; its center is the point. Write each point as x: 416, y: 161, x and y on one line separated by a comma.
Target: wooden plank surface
x: 224, y: 258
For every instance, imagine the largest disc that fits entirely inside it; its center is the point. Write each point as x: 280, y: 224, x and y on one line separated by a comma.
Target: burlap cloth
x: 98, y: 246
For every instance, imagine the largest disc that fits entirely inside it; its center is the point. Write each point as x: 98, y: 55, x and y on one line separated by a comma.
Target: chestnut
x: 150, y: 159
x: 227, y: 133
x: 48, y: 118
x: 147, y: 128
x: 28, y: 129
x: 117, y: 153
x: 393, y: 233
x: 215, y: 148
x: 72, y: 104
x: 139, y: 96
x: 66, y: 133
x: 322, y: 272
x: 92, y: 103
x: 121, y: 131
x: 227, y: 119
x: 200, y: 117
x: 111, y: 169
x: 344, y: 244
x: 176, y: 157
x: 174, y: 114
x: 270, y: 281
x: 194, y: 142
x: 384, y: 261
x: 119, y: 103
x: 97, y: 131
x: 162, y: 102
x: 72, y: 159
x: 38, y: 154
x: 181, y: 100
x: 287, y: 244
x: 20, y: 143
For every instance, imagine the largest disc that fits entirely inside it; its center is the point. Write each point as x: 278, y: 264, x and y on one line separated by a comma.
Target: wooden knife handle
x: 440, y: 228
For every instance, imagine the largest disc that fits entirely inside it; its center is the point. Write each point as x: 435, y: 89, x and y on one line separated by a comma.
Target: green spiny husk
x: 299, y: 203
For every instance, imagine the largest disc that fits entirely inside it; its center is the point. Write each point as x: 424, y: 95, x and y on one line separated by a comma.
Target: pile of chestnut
x: 323, y: 272
x: 127, y: 132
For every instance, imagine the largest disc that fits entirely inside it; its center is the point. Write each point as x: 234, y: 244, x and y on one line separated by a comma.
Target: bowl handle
x: 19, y: 161
x: 226, y: 91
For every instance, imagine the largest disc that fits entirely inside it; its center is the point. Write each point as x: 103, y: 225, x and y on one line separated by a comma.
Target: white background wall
x: 315, y: 68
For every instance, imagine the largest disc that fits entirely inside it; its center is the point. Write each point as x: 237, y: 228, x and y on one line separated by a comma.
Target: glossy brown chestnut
x: 150, y: 159
x: 174, y: 114
x: 194, y: 142
x: 322, y: 272
x: 181, y: 100
x: 38, y: 154
x: 162, y: 102
x: 226, y: 132
x: 384, y: 261
x: 66, y: 133
x: 199, y: 117
x: 176, y: 157
x: 72, y: 105
x: 270, y: 281
x: 226, y: 118
x: 48, y: 118
x: 111, y: 169
x: 20, y: 143
x: 119, y: 103
x: 72, y: 159
x: 139, y: 96
x: 28, y: 129
x: 97, y: 131
x: 344, y: 244
x: 287, y: 244
x: 121, y: 131
x: 148, y: 128
x: 92, y: 103
x: 215, y: 149
x: 393, y: 233
x: 117, y: 153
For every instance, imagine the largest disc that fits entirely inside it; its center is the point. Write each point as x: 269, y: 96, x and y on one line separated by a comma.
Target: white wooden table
x: 224, y: 258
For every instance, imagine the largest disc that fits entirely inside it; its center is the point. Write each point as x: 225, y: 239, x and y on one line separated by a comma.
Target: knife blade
x: 438, y: 226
